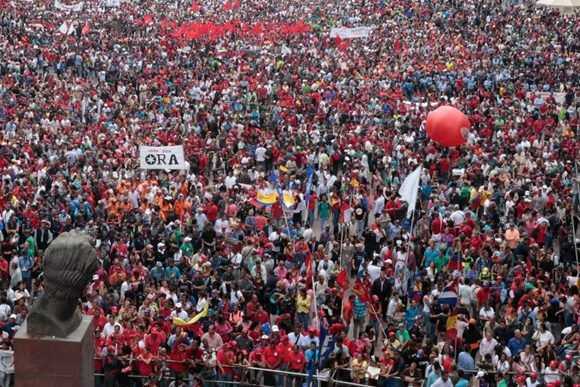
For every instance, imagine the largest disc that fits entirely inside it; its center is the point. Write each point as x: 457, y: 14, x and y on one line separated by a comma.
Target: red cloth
x: 342, y: 279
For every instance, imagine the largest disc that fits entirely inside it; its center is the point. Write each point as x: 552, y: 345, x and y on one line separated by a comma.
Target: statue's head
x: 69, y: 264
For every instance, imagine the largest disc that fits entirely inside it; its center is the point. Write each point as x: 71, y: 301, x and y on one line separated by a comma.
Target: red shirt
x: 144, y: 368
x: 178, y: 358
x: 262, y: 317
x: 285, y: 351
x: 347, y: 311
x: 297, y: 361
x: 257, y: 355
x: 271, y: 357
x: 211, y: 212
x: 437, y: 226
x: 444, y: 165
x: 153, y: 341
x: 261, y: 222
x: 225, y: 357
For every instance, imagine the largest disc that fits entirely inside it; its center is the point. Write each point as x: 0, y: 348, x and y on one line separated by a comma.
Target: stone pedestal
x: 55, y: 362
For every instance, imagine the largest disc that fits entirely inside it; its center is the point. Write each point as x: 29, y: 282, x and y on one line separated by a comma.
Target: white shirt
x: 544, y: 338
x: 305, y: 341
x: 260, y: 154
x: 201, y: 304
x: 108, y: 329
x: 529, y: 382
x: 379, y: 205
x: 293, y: 338
x: 458, y: 217
x: 465, y: 294
x: 230, y: 181
x: 551, y: 375
x: 460, y: 326
x: 486, y: 314
x: 220, y: 226
x: 182, y: 314
x: 487, y: 346
x: 200, y: 220
x: 392, y: 307
x: 441, y: 383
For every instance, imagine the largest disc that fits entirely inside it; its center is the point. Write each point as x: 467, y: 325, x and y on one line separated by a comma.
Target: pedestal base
x: 55, y: 362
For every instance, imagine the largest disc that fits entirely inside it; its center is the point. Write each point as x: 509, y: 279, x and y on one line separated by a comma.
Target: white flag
x: 63, y: 29
x: 409, y: 190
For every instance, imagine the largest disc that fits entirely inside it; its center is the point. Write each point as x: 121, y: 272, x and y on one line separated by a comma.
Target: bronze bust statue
x: 69, y: 264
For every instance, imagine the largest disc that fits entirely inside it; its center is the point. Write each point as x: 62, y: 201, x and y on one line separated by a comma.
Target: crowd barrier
x: 248, y: 376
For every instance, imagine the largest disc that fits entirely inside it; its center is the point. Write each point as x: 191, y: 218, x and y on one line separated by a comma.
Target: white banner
x: 112, y: 3
x: 351, y: 33
x: 162, y: 157
x: 69, y: 7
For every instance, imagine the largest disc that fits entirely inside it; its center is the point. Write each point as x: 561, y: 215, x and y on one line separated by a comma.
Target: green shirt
x: 31, y: 246
x: 441, y: 261
x: 187, y: 249
x: 324, y: 210
x: 403, y: 336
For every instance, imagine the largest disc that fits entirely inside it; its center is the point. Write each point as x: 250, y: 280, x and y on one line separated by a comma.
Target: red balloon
x: 447, y: 126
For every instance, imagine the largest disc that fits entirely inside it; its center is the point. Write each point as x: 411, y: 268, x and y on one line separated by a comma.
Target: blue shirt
x: 432, y: 378
x: 311, y: 356
x: 172, y: 273
x: 430, y: 255
x: 516, y: 345
x: 465, y: 361
x: 359, y: 309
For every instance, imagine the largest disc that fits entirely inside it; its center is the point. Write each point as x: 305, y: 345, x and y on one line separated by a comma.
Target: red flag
x: 195, y: 7
x: 257, y: 29
x: 342, y: 45
x: 361, y: 290
x: 342, y: 279
x: 147, y: 19
x: 231, y: 4
x: 86, y: 29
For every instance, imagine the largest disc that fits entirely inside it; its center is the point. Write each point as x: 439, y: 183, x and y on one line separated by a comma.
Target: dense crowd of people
x: 201, y: 282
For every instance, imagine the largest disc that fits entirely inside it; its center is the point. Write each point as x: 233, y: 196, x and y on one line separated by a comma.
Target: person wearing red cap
x: 551, y: 373
x: 532, y: 380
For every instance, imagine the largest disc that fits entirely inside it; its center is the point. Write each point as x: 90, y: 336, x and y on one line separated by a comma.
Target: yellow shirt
x: 302, y: 304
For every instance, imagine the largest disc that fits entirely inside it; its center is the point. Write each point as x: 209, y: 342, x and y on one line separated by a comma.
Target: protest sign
x: 69, y: 7
x: 351, y: 33
x: 162, y: 157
